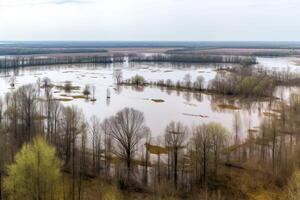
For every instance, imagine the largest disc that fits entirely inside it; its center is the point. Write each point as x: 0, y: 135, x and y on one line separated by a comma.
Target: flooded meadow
x: 159, y: 105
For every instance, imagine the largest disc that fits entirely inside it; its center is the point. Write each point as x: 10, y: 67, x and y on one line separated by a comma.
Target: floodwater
x: 288, y: 64
x: 188, y: 107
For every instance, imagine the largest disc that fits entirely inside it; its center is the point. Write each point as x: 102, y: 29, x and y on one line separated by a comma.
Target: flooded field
x: 160, y: 106
x: 291, y: 64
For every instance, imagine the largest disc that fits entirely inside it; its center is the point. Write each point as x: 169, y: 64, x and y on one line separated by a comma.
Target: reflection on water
x: 284, y: 92
x: 189, y: 107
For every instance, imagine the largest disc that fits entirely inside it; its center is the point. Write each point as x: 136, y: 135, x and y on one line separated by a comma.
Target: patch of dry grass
x: 228, y: 106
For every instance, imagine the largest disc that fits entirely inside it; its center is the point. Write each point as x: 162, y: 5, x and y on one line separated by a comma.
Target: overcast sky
x: 187, y: 20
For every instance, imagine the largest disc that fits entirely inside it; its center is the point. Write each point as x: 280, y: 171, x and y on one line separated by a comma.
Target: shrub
x: 68, y: 86
x: 86, y: 91
x: 138, y: 80
x: 35, y: 172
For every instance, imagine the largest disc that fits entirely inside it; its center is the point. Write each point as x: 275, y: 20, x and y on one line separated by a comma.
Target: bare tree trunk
x: 73, y: 166
x: 1, y: 183
x: 204, y: 164
x: 169, y: 168
x: 128, y: 161
x: 175, y: 166
x: 158, y: 167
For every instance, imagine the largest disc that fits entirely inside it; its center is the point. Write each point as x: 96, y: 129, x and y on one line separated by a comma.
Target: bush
x: 246, y: 85
x: 68, y: 86
x: 86, y: 91
x: 138, y: 80
x: 255, y: 86
x: 35, y: 173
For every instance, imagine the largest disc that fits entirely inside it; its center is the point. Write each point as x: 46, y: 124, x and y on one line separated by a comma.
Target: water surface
x: 188, y: 107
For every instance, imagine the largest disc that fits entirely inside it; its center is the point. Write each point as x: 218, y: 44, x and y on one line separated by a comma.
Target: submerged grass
x: 194, y: 115
x: 155, y: 149
x: 297, y: 62
x: 228, y: 106
x: 78, y: 96
x: 63, y: 87
x: 270, y: 114
x: 158, y: 100
x: 63, y: 99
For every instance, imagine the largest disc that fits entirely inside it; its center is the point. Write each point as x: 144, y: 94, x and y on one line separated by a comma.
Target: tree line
x: 242, y: 82
x: 24, y: 61
x: 245, y: 61
x: 31, y: 51
x: 237, y: 81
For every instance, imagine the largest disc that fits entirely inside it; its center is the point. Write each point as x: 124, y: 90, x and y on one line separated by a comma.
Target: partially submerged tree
x: 138, y: 80
x: 68, y: 86
x: 187, y: 79
x: 118, y: 75
x: 93, y: 93
x: 86, y: 91
x: 199, y: 83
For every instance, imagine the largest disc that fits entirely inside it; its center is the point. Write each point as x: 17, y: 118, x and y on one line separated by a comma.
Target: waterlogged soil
x: 160, y: 106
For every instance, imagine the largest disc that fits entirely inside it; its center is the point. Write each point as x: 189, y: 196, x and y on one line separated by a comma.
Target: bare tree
x: 198, y: 84
x: 86, y: 91
x: 175, y: 136
x: 147, y: 158
x: 93, y: 93
x: 187, y: 80
x: 46, y: 82
x: 118, y: 75
x: 203, y: 143
x: 82, y: 162
x: 96, y: 141
x: 27, y: 103
x: 107, y: 146
x: 55, y: 122
x: 73, y: 125
x: 1, y: 110
x: 127, y: 128
x: 219, y: 136
x: 3, y: 153
x: 237, y: 126
x: 49, y: 104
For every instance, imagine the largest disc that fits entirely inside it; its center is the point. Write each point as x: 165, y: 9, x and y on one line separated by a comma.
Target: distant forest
x: 145, y: 44
x: 31, y: 51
